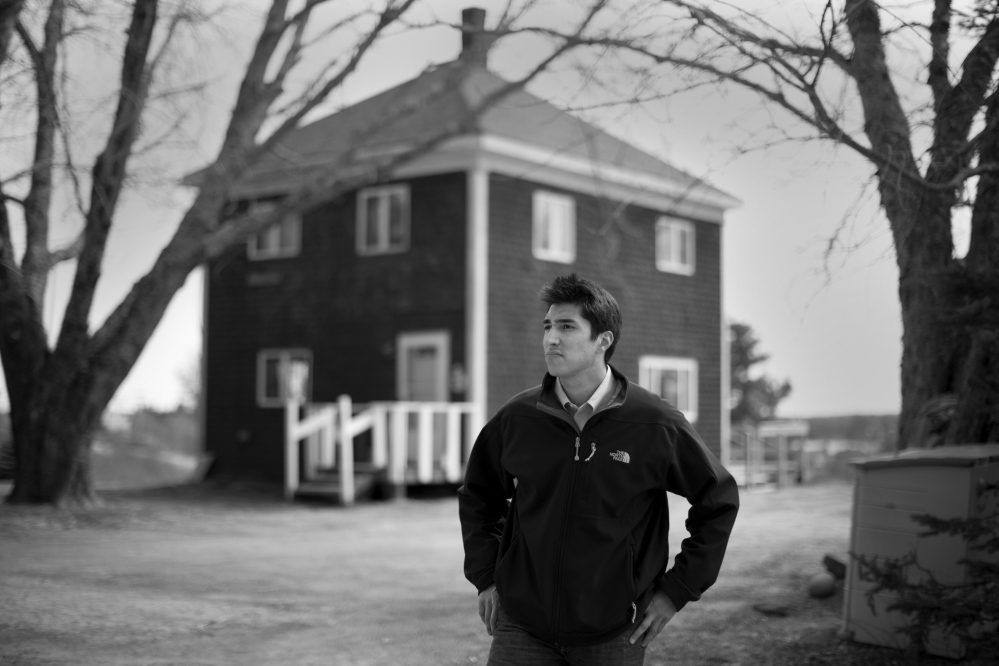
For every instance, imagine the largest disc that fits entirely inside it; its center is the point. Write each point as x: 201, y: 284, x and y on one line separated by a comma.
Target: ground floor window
x: 282, y: 374
x: 671, y: 378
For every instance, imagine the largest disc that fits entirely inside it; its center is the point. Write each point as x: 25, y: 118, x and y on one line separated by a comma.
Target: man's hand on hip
x: 489, y: 608
x: 660, y: 611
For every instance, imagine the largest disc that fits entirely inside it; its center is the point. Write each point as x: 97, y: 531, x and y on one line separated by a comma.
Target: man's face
x: 570, y: 349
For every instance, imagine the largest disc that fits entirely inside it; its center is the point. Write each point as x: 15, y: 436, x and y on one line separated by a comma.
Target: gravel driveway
x: 206, y: 575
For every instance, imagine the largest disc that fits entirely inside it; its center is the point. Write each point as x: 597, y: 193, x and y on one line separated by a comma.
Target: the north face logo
x: 621, y: 456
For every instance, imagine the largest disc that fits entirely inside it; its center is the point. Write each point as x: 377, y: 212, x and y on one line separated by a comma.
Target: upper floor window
x: 283, y: 239
x: 554, y: 227
x: 675, y: 246
x: 383, y: 220
x: 283, y: 374
x: 673, y: 379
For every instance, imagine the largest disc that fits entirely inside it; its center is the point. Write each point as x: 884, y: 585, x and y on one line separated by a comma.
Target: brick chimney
x: 474, y: 43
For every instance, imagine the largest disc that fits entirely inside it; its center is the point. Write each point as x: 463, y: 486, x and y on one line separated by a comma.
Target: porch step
x: 327, y: 487
x: 360, y: 467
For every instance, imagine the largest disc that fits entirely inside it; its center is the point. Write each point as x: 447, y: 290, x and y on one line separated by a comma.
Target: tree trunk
x: 929, y: 352
x: 932, y: 347
x: 976, y: 417
x: 52, y: 453
x: 950, y: 358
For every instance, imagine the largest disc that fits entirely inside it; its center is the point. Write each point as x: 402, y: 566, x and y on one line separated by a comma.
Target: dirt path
x: 202, y: 576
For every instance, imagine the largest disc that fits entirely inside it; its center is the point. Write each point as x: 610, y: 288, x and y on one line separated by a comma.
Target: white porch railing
x: 324, y: 439
x: 763, y: 455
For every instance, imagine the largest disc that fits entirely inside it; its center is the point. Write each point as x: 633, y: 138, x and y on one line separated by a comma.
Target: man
x: 563, y: 509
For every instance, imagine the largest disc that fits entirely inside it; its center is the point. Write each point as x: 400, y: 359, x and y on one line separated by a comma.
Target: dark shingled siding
x: 663, y: 313
x: 348, y: 310
x: 345, y: 308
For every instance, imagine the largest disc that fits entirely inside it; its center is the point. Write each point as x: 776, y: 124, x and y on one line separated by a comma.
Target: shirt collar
x: 599, y: 397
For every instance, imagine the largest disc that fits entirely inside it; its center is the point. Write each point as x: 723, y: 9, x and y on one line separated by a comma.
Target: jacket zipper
x: 556, y: 605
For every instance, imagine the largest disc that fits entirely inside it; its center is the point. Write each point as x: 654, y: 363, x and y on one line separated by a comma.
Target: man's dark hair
x: 595, y: 304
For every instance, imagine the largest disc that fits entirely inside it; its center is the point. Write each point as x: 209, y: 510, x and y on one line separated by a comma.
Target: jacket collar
x: 548, y: 401
x: 601, y: 396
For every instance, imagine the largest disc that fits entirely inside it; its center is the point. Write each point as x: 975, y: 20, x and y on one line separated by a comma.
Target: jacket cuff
x: 483, y: 580
x: 674, y: 589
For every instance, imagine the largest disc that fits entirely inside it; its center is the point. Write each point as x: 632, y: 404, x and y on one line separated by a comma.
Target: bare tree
x: 930, y: 134
x: 58, y: 392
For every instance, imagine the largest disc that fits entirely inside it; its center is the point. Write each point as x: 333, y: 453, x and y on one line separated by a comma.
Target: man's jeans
x: 514, y: 646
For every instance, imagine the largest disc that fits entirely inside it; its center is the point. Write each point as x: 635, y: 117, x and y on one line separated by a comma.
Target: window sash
x: 673, y: 379
x: 675, y: 246
x: 277, y: 370
x: 282, y: 239
x: 554, y: 227
x: 383, y: 220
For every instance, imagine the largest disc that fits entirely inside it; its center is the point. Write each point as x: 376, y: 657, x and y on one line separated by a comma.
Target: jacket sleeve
x: 482, y: 506
x: 696, y: 474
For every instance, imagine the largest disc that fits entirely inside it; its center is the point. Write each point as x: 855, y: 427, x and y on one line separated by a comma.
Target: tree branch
x: 387, y: 17
x: 939, y: 67
x: 300, y: 21
x: 983, y: 249
x: 8, y: 197
x: 821, y: 120
x: 108, y: 176
x: 39, y: 198
x: 886, y: 124
x: 9, y: 12
x: 254, y: 96
x: 734, y: 34
x: 122, y: 336
x: 71, y: 168
x: 956, y: 110
x: 71, y: 251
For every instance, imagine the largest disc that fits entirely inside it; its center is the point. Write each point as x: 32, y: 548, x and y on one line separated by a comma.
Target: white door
x: 422, y: 363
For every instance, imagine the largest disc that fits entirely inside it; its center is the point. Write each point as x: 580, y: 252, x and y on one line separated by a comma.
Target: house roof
x: 441, y: 98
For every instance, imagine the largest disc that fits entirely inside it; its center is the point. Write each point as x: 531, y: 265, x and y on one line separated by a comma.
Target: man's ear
x: 605, y: 340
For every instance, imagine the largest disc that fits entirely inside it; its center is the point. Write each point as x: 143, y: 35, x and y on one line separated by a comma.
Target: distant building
x: 425, y: 287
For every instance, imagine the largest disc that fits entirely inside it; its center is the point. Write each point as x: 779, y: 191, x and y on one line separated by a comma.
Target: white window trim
x: 407, y: 341
x: 647, y: 364
x: 255, y: 253
x: 672, y: 264
x: 284, y: 357
x: 568, y: 255
x: 362, y: 221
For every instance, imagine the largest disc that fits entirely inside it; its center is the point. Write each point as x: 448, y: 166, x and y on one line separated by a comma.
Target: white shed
x: 943, y: 482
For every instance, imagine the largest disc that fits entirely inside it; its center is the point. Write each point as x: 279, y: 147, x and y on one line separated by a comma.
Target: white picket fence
x: 323, y: 438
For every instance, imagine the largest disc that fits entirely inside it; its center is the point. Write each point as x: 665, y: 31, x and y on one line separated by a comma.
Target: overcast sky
x: 829, y: 320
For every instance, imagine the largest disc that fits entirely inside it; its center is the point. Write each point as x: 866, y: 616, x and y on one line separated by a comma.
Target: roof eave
x: 692, y: 198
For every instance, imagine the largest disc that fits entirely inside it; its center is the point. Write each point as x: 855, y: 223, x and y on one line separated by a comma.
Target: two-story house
x: 425, y: 287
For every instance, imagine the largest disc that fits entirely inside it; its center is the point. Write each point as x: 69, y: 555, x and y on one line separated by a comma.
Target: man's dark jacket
x: 583, y: 542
